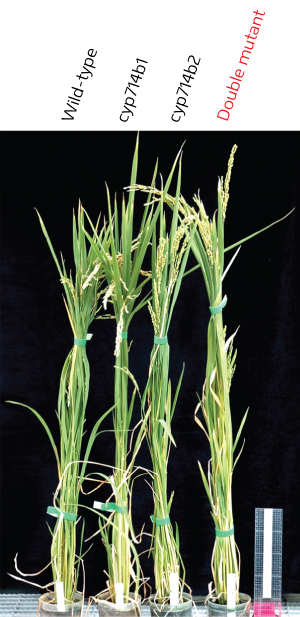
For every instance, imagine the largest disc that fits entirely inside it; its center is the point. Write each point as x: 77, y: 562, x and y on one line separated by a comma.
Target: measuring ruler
x: 267, y: 562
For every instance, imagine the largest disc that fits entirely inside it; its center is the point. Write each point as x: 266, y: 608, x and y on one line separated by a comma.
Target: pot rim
x: 78, y: 599
x: 187, y: 598
x: 133, y: 600
x: 246, y: 598
x: 47, y: 606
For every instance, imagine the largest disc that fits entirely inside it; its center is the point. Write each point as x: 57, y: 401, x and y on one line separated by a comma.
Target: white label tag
x: 267, y: 559
x: 119, y: 589
x: 174, y: 584
x: 60, y: 598
x: 97, y: 505
x: 88, y: 337
x: 231, y: 580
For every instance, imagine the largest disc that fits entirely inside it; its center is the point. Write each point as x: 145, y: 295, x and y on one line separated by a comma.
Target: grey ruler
x: 267, y: 562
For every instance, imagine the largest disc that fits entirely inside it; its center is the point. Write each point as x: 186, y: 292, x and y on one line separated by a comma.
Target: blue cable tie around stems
x: 124, y: 335
x: 224, y: 534
x: 159, y: 522
x: 160, y: 340
x: 218, y: 309
x: 81, y: 342
x: 68, y: 516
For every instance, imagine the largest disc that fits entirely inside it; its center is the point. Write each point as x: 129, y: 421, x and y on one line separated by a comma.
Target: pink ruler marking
x: 266, y: 609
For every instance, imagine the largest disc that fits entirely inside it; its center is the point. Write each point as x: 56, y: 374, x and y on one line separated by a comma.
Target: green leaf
x: 239, y: 431
x: 204, y: 480
x: 49, y: 244
x: 91, y: 440
x: 45, y: 425
x: 257, y: 232
x: 177, y: 391
x: 239, y: 454
x: 168, y: 430
x: 174, y: 224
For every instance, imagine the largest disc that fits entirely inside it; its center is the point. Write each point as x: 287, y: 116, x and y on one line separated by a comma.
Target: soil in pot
x: 181, y: 610
x: 109, y: 609
x: 220, y: 610
x: 71, y: 610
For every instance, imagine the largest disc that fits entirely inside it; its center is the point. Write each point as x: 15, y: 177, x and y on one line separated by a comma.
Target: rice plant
x: 169, y: 259
x: 82, y: 294
x: 122, y: 264
x: 215, y: 403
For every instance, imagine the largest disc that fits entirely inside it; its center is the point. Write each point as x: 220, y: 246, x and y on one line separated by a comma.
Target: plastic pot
x: 109, y: 609
x: 71, y: 610
x: 180, y: 610
x: 242, y: 609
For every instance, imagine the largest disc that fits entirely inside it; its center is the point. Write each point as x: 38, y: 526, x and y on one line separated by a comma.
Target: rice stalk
x: 169, y: 259
x: 122, y: 262
x: 81, y: 300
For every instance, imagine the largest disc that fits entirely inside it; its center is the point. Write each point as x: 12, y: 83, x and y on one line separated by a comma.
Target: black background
x: 50, y: 171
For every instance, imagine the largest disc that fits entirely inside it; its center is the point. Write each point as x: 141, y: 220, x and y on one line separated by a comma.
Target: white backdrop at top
x: 44, y: 46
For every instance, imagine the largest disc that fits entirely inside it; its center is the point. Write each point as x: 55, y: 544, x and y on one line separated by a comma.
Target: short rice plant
x: 169, y: 259
x: 82, y: 294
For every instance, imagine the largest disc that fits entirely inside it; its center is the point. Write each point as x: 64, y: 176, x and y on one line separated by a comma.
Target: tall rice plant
x: 122, y: 262
x: 81, y: 301
x: 169, y: 259
x: 208, y: 247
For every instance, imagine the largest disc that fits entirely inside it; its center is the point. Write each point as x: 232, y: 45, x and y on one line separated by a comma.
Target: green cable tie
x: 81, y: 342
x: 160, y: 341
x: 68, y: 516
x: 159, y: 522
x: 218, y: 309
x: 224, y: 534
x: 124, y: 335
x: 109, y: 507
